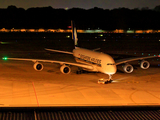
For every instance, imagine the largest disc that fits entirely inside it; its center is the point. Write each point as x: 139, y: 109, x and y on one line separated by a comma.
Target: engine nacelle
x: 128, y: 68
x: 65, y: 69
x: 38, y: 66
x: 144, y: 64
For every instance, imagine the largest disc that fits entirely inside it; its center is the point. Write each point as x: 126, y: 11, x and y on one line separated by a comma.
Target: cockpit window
x: 110, y: 64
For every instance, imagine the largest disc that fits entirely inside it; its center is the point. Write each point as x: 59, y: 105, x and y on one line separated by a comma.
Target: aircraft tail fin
x: 74, y: 34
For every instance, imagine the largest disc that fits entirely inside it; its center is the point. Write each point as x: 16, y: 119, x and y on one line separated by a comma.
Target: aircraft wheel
x: 78, y: 72
x: 110, y: 81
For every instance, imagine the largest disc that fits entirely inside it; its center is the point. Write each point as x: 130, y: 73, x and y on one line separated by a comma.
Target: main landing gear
x: 105, y: 81
x: 80, y: 71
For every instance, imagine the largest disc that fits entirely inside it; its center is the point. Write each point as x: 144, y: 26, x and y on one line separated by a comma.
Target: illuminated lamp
x: 5, y: 58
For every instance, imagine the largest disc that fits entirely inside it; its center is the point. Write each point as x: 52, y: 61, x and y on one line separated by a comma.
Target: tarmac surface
x: 21, y: 85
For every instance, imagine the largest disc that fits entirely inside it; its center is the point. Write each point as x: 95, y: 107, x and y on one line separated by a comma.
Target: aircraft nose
x: 113, y: 69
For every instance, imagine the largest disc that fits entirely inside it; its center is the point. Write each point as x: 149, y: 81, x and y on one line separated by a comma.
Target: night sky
x: 86, y: 4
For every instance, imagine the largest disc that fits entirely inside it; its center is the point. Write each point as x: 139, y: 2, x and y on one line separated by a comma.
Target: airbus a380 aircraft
x: 90, y: 60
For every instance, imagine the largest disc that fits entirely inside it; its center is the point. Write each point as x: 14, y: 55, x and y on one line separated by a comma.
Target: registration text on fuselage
x: 90, y: 59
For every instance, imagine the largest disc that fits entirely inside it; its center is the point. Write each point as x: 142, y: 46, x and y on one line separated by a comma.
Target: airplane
x: 89, y: 60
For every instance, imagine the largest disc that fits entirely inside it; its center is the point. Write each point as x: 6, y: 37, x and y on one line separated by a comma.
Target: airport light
x: 4, y: 42
x: 5, y: 58
x: 68, y: 36
x: 69, y: 26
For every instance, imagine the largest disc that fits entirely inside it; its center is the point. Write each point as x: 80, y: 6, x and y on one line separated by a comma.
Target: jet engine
x: 128, y: 68
x: 38, y: 66
x: 65, y: 69
x: 144, y: 64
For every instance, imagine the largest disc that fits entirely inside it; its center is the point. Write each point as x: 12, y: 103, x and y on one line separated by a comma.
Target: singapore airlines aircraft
x: 90, y: 60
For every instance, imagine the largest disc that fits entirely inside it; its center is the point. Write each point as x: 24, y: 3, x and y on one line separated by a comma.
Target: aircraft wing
x: 51, y: 61
x: 121, y: 61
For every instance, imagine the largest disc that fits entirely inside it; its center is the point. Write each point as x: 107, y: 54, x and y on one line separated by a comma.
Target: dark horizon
x: 50, y: 18
x: 136, y: 8
x: 84, y: 4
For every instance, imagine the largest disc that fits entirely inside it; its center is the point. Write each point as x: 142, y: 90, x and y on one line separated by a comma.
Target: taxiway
x: 21, y: 85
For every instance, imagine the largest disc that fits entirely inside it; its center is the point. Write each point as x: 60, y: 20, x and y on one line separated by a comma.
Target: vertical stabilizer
x: 74, y: 33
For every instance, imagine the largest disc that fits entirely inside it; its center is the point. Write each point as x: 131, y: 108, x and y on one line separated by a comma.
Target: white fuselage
x: 101, y: 62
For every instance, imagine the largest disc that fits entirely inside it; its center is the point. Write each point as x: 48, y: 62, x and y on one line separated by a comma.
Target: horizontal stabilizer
x: 96, y: 49
x: 66, y: 52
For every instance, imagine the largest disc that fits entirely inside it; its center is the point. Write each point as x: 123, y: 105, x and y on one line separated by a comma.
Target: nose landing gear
x: 105, y: 81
